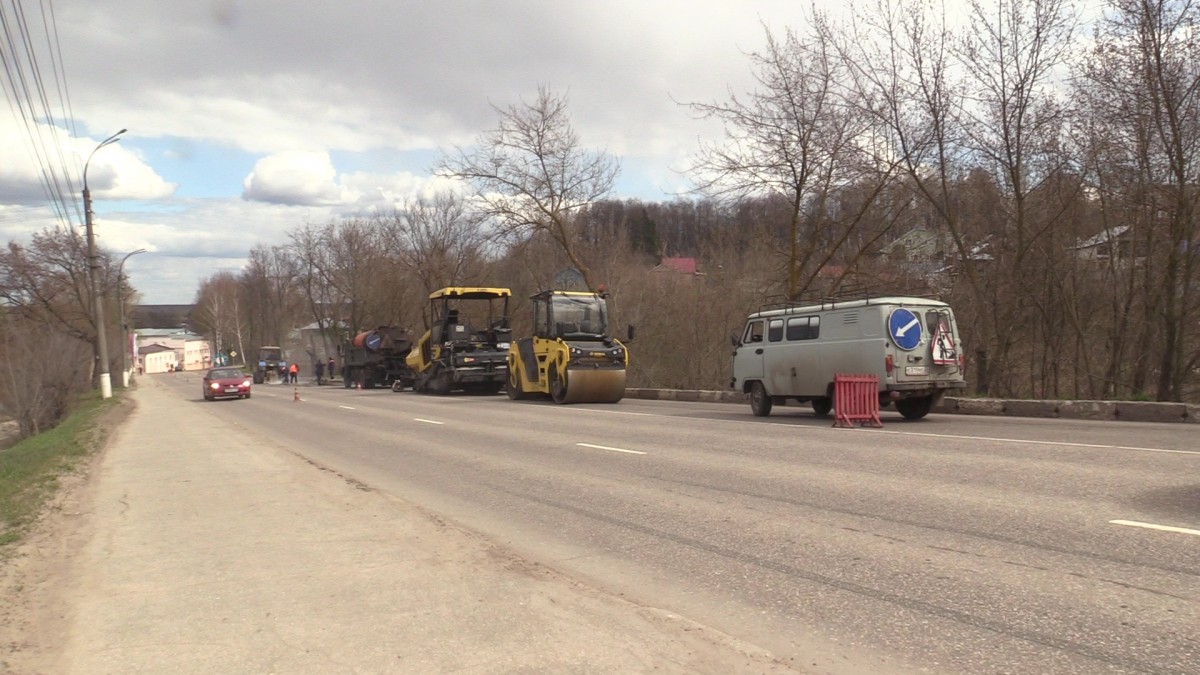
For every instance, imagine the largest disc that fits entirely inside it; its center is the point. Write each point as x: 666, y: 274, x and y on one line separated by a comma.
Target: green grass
x: 30, y: 470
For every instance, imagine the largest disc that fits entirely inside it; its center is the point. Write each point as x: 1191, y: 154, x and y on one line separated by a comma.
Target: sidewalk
x: 199, y: 554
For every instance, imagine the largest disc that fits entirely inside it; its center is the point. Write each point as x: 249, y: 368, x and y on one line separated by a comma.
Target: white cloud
x: 306, y: 178
x: 45, y: 154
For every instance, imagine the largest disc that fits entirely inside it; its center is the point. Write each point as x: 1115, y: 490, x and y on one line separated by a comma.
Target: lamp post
x: 121, y: 313
x: 97, y: 307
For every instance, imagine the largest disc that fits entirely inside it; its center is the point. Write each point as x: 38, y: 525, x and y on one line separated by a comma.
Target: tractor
x: 270, y: 358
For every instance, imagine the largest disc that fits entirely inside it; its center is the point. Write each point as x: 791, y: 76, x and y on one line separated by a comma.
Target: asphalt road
x: 953, y: 544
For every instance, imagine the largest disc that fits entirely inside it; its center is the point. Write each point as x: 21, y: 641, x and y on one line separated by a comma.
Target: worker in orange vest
x: 293, y: 372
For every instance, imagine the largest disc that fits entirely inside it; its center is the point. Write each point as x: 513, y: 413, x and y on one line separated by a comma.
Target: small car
x: 226, y: 383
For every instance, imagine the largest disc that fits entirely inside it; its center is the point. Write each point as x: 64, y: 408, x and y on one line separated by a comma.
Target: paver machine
x: 466, y: 346
x: 570, y: 357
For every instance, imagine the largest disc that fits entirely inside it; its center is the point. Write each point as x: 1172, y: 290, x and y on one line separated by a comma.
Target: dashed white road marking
x: 347, y: 407
x: 418, y: 419
x: 605, y: 447
x: 1152, y: 526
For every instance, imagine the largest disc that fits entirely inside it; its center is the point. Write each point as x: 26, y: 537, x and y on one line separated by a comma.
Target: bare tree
x: 218, y: 312
x: 799, y: 136
x: 531, y: 175
x: 438, y: 239
x: 43, y: 370
x: 1142, y: 95
x: 273, y: 303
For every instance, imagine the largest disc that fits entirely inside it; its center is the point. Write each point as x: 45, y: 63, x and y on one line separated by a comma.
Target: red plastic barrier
x: 856, y: 400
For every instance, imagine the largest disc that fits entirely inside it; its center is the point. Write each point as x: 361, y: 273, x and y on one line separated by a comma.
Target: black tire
x: 515, y: 391
x: 760, y: 402
x: 914, y: 408
x: 441, y: 383
x: 345, y: 378
x: 558, y: 388
x: 822, y: 405
x: 247, y: 395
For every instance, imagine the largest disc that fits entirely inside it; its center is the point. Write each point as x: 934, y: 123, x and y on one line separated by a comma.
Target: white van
x: 911, y: 344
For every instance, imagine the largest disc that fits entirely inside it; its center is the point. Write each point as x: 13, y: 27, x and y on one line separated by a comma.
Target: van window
x: 775, y: 330
x: 932, y: 318
x: 754, y: 332
x: 803, y: 328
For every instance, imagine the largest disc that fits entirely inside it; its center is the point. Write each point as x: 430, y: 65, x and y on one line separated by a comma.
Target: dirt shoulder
x: 199, y: 554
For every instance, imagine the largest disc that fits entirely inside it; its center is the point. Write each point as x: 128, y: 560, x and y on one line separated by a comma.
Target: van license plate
x: 916, y: 370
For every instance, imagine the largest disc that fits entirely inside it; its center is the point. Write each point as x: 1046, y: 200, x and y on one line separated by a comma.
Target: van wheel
x: 914, y: 408
x: 822, y: 405
x: 760, y: 403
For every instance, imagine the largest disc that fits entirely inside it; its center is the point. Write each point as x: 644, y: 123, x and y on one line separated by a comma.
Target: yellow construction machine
x: 570, y: 357
x: 465, y: 346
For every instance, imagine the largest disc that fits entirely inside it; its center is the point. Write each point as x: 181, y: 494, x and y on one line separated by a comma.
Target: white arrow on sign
x: 901, y: 331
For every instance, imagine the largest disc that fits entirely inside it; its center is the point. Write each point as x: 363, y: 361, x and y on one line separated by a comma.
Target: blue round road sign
x: 905, y: 329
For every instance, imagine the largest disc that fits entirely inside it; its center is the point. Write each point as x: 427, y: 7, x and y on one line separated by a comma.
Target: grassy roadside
x: 30, y: 470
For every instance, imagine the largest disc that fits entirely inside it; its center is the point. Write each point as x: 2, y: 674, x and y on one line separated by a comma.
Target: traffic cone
x: 296, y: 394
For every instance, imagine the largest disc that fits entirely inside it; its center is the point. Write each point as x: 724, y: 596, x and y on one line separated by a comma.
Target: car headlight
x: 215, y: 385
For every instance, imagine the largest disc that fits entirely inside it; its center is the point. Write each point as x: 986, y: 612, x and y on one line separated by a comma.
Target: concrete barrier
x: 1125, y: 411
x: 1030, y: 408
x: 1144, y: 411
x: 1088, y: 410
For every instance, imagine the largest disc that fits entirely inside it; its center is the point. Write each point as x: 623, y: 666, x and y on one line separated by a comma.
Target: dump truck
x: 376, y: 358
x: 570, y: 357
x: 466, y: 346
x: 267, y: 368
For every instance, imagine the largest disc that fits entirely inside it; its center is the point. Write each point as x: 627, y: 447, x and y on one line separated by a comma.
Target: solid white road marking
x: 1152, y: 526
x: 897, y: 433
x: 1099, y: 446
x: 418, y: 419
x: 346, y: 407
x: 605, y: 447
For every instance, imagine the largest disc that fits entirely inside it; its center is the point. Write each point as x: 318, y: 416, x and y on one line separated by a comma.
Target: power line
x: 29, y: 102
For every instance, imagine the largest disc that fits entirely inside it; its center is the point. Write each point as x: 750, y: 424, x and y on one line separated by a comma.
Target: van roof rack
x: 855, y: 293
x: 824, y: 300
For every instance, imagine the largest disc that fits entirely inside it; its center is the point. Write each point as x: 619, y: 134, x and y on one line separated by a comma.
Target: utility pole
x: 93, y: 264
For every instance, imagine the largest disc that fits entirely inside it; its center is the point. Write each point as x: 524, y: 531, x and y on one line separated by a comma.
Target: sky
x: 248, y: 119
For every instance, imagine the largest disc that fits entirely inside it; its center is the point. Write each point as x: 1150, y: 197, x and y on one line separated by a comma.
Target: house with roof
x: 1111, y: 243
x: 192, y: 351
x: 686, y: 266
x: 156, y: 358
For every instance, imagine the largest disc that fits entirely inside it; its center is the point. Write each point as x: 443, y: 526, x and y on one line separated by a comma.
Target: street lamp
x: 121, y: 313
x: 97, y: 306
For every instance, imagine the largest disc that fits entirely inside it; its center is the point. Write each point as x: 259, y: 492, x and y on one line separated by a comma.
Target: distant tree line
x: 1052, y: 174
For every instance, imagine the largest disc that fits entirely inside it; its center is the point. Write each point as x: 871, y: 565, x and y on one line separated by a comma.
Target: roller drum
x: 590, y: 385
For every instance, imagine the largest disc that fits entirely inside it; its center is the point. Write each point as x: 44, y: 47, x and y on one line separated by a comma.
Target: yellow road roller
x: 570, y: 357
